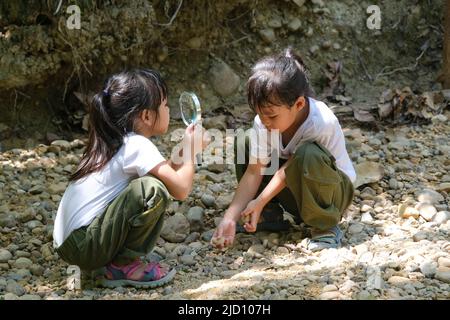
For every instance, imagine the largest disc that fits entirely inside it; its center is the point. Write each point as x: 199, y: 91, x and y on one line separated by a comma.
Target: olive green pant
x: 127, y: 229
x: 317, y: 192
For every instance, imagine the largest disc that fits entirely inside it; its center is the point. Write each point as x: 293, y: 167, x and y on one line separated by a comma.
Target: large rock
x: 224, y: 80
x: 176, y: 228
x: 368, y: 172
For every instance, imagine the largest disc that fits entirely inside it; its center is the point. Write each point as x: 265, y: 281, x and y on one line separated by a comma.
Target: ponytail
x: 112, y: 113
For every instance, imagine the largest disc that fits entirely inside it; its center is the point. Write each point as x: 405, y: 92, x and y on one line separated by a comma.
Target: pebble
x: 330, y: 295
x: 5, y: 255
x: 356, y: 228
x: 224, y: 79
x: 441, y: 217
x: 427, y: 211
x: 23, y: 263
x: 187, y: 260
x: 195, y: 218
x: 176, y: 228
x: 443, y: 274
x: 208, y: 200
x: 15, y: 288
x: 430, y: 196
x: 267, y: 35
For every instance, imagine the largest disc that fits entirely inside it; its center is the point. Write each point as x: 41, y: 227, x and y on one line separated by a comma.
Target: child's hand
x: 251, y: 215
x: 224, y: 234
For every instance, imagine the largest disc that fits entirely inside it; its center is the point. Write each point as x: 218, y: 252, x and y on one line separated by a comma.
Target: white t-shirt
x: 86, y: 198
x: 321, y: 125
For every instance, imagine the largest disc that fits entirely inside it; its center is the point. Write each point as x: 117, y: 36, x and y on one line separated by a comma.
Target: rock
x: 38, y: 189
x: 10, y: 296
x: 393, y: 184
x: 223, y: 79
x: 282, y: 250
x: 187, y: 260
x: 355, y: 228
x: 329, y: 287
x: 374, y: 278
x: 207, y: 235
x: 430, y: 196
x: 294, y: 24
x: 275, y: 23
x: 7, y: 220
x: 195, y: 42
x: 5, y: 255
x: 217, y: 167
x: 267, y: 35
x: 399, y: 281
x: 428, y: 268
x: 224, y: 201
x: 218, y: 122
x: 421, y: 235
x: 444, y: 262
x: 195, y: 218
x: 15, y: 288
x: 256, y: 248
x: 194, y: 236
x: 409, y: 212
x: 427, y: 211
x: 23, y: 263
x: 368, y: 172
x: 62, y: 144
x: 441, y: 217
x: 443, y: 187
x: 176, y: 228
x: 37, y: 270
x: 366, y: 217
x: 443, y: 274
x: 330, y: 295
x: 208, y: 200
x: 57, y: 188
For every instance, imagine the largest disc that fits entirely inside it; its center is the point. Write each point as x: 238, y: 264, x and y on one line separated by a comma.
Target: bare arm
x: 245, y: 192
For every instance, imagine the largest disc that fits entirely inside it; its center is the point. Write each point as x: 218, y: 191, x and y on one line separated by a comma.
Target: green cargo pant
x: 128, y: 228
x: 317, y: 192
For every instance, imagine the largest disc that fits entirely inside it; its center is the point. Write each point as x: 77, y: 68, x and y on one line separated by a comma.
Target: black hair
x: 113, y: 111
x: 278, y: 80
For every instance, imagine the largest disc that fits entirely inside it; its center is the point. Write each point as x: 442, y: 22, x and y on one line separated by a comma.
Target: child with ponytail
x: 112, y: 211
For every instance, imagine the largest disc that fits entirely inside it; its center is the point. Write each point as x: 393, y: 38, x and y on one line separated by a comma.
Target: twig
x: 412, y: 67
x: 173, y: 17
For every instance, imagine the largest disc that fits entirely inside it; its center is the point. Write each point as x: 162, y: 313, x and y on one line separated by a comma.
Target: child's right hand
x: 226, y: 231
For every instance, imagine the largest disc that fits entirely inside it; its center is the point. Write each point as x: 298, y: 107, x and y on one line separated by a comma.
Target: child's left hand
x: 252, y: 211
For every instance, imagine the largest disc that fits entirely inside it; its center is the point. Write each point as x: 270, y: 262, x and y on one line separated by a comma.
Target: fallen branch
x: 412, y: 67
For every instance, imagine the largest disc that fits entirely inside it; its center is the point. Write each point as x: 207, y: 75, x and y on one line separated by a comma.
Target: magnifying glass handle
x: 198, y: 158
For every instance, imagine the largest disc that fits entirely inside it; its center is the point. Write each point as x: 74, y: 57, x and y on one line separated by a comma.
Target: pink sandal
x: 137, y: 274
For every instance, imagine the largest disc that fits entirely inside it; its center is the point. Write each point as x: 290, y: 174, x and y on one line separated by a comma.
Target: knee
x: 150, y: 191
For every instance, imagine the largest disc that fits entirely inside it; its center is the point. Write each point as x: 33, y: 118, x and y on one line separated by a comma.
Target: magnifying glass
x: 191, y: 112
